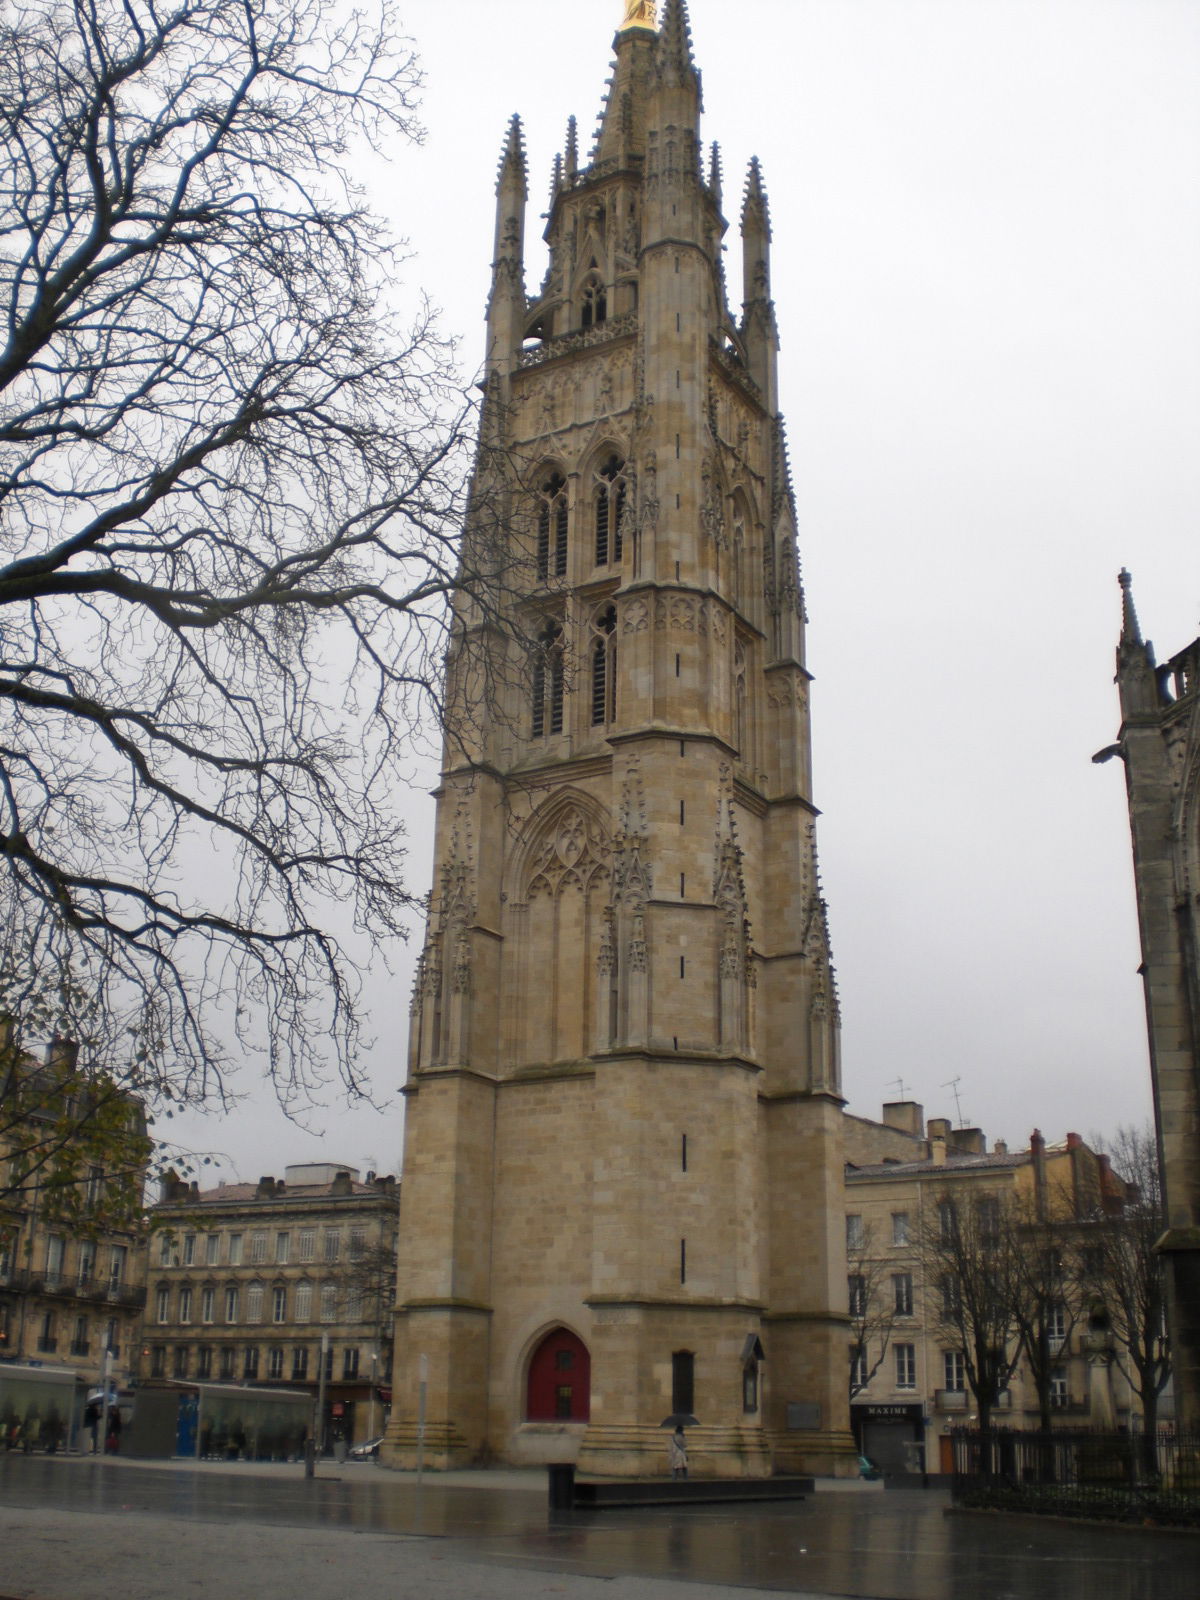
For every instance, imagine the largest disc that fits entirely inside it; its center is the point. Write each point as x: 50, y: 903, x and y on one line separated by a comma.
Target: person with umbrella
x: 677, y: 1452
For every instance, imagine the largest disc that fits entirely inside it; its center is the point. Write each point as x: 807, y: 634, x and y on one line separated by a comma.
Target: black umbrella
x: 680, y: 1419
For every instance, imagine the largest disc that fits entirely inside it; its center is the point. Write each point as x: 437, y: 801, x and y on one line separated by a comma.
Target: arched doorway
x: 560, y: 1380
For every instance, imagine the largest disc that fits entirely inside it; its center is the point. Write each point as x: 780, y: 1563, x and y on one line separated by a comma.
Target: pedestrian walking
x: 677, y: 1453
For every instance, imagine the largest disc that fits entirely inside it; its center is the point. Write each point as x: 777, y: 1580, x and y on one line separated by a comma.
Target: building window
x: 858, y: 1369
x: 989, y: 1220
x: 302, y: 1303
x: 683, y: 1381
x: 228, y: 1362
x: 552, y: 529
x: 1059, y: 1398
x: 95, y: 1187
x: 333, y: 1245
x: 854, y: 1232
x: 906, y: 1366
x: 283, y: 1243
x: 358, y: 1243
x: 79, y: 1339
x: 279, y: 1304
x: 185, y: 1303
x: 856, y: 1286
x: 350, y: 1363
x: 899, y: 1227
x: 604, y: 667
x: 610, y: 512
x: 300, y: 1362
x: 162, y: 1305
x: 902, y: 1290
x: 208, y: 1300
x: 306, y: 1245
x: 118, y: 1256
x: 235, y: 1249
x: 354, y: 1305
x: 250, y: 1363
x: 947, y: 1220
x: 87, y: 1262
x: 594, y: 304
x: 951, y: 1298
x: 328, y: 1364
x: 212, y: 1249
x: 954, y: 1371
x: 258, y: 1248
x: 231, y: 1303
x: 55, y: 1250
x: 165, y: 1251
x: 275, y: 1362
x: 204, y: 1361
x: 329, y: 1302
x: 189, y: 1249
x: 1056, y: 1322
x: 158, y: 1361
x: 254, y: 1303
x: 181, y: 1361
x: 547, y: 708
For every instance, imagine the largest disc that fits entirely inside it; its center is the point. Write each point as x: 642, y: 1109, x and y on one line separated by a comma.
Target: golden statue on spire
x: 639, y: 14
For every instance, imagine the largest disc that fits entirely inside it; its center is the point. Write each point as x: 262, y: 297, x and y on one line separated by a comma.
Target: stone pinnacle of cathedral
x: 1131, y: 632
x: 675, y: 42
x: 572, y: 163
x: 513, y: 168
x: 755, y: 206
x: 715, y: 182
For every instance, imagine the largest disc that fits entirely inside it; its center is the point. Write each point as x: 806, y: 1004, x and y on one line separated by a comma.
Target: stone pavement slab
x: 62, y: 1555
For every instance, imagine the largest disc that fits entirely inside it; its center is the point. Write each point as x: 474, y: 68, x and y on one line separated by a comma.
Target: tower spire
x: 506, y: 304
x: 675, y: 61
x: 1131, y: 633
x: 758, y: 319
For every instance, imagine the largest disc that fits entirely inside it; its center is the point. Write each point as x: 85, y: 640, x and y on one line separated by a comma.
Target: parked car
x: 868, y: 1469
x: 367, y: 1450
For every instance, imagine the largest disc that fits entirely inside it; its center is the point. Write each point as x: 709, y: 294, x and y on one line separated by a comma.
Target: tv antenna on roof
x: 901, y: 1086
x: 953, y: 1088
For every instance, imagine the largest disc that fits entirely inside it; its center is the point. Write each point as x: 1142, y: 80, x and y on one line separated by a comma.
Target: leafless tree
x: 965, y: 1247
x: 1123, y: 1279
x: 872, y: 1307
x: 230, y: 485
x: 1041, y: 1262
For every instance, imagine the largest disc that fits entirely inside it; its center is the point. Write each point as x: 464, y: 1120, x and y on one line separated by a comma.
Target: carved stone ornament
x: 636, y: 616
x: 572, y: 854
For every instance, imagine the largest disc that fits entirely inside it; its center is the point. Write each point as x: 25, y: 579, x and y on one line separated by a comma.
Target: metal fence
x: 1153, y: 1479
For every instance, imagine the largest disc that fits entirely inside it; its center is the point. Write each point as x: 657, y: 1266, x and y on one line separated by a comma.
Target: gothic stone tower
x: 1159, y: 743
x: 623, y: 1151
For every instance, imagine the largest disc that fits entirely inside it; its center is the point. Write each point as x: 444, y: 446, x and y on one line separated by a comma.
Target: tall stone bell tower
x: 623, y: 1152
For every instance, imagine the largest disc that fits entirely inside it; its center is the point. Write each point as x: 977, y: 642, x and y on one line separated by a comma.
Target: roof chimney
x: 906, y: 1116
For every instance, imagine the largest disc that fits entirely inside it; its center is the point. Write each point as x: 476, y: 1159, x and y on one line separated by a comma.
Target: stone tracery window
x: 594, y: 310
x: 552, y: 528
x: 604, y: 667
x: 610, y: 511
x: 547, y: 709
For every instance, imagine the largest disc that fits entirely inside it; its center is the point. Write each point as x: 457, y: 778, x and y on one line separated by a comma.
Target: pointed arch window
x: 552, y: 528
x: 594, y: 308
x: 548, y: 683
x: 604, y: 667
x: 610, y: 512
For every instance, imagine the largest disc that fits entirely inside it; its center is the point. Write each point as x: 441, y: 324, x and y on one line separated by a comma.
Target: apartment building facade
x: 909, y: 1382
x: 258, y: 1283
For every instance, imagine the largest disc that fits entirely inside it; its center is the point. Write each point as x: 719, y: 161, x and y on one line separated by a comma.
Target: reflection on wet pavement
x: 895, y: 1546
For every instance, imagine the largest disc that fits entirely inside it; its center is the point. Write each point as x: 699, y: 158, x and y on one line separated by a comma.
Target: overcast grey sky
x: 986, y: 269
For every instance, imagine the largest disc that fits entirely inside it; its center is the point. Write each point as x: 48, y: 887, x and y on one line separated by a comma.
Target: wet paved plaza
x: 900, y: 1545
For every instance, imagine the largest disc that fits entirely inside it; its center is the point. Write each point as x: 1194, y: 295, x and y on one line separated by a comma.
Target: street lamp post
x: 371, y: 1411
